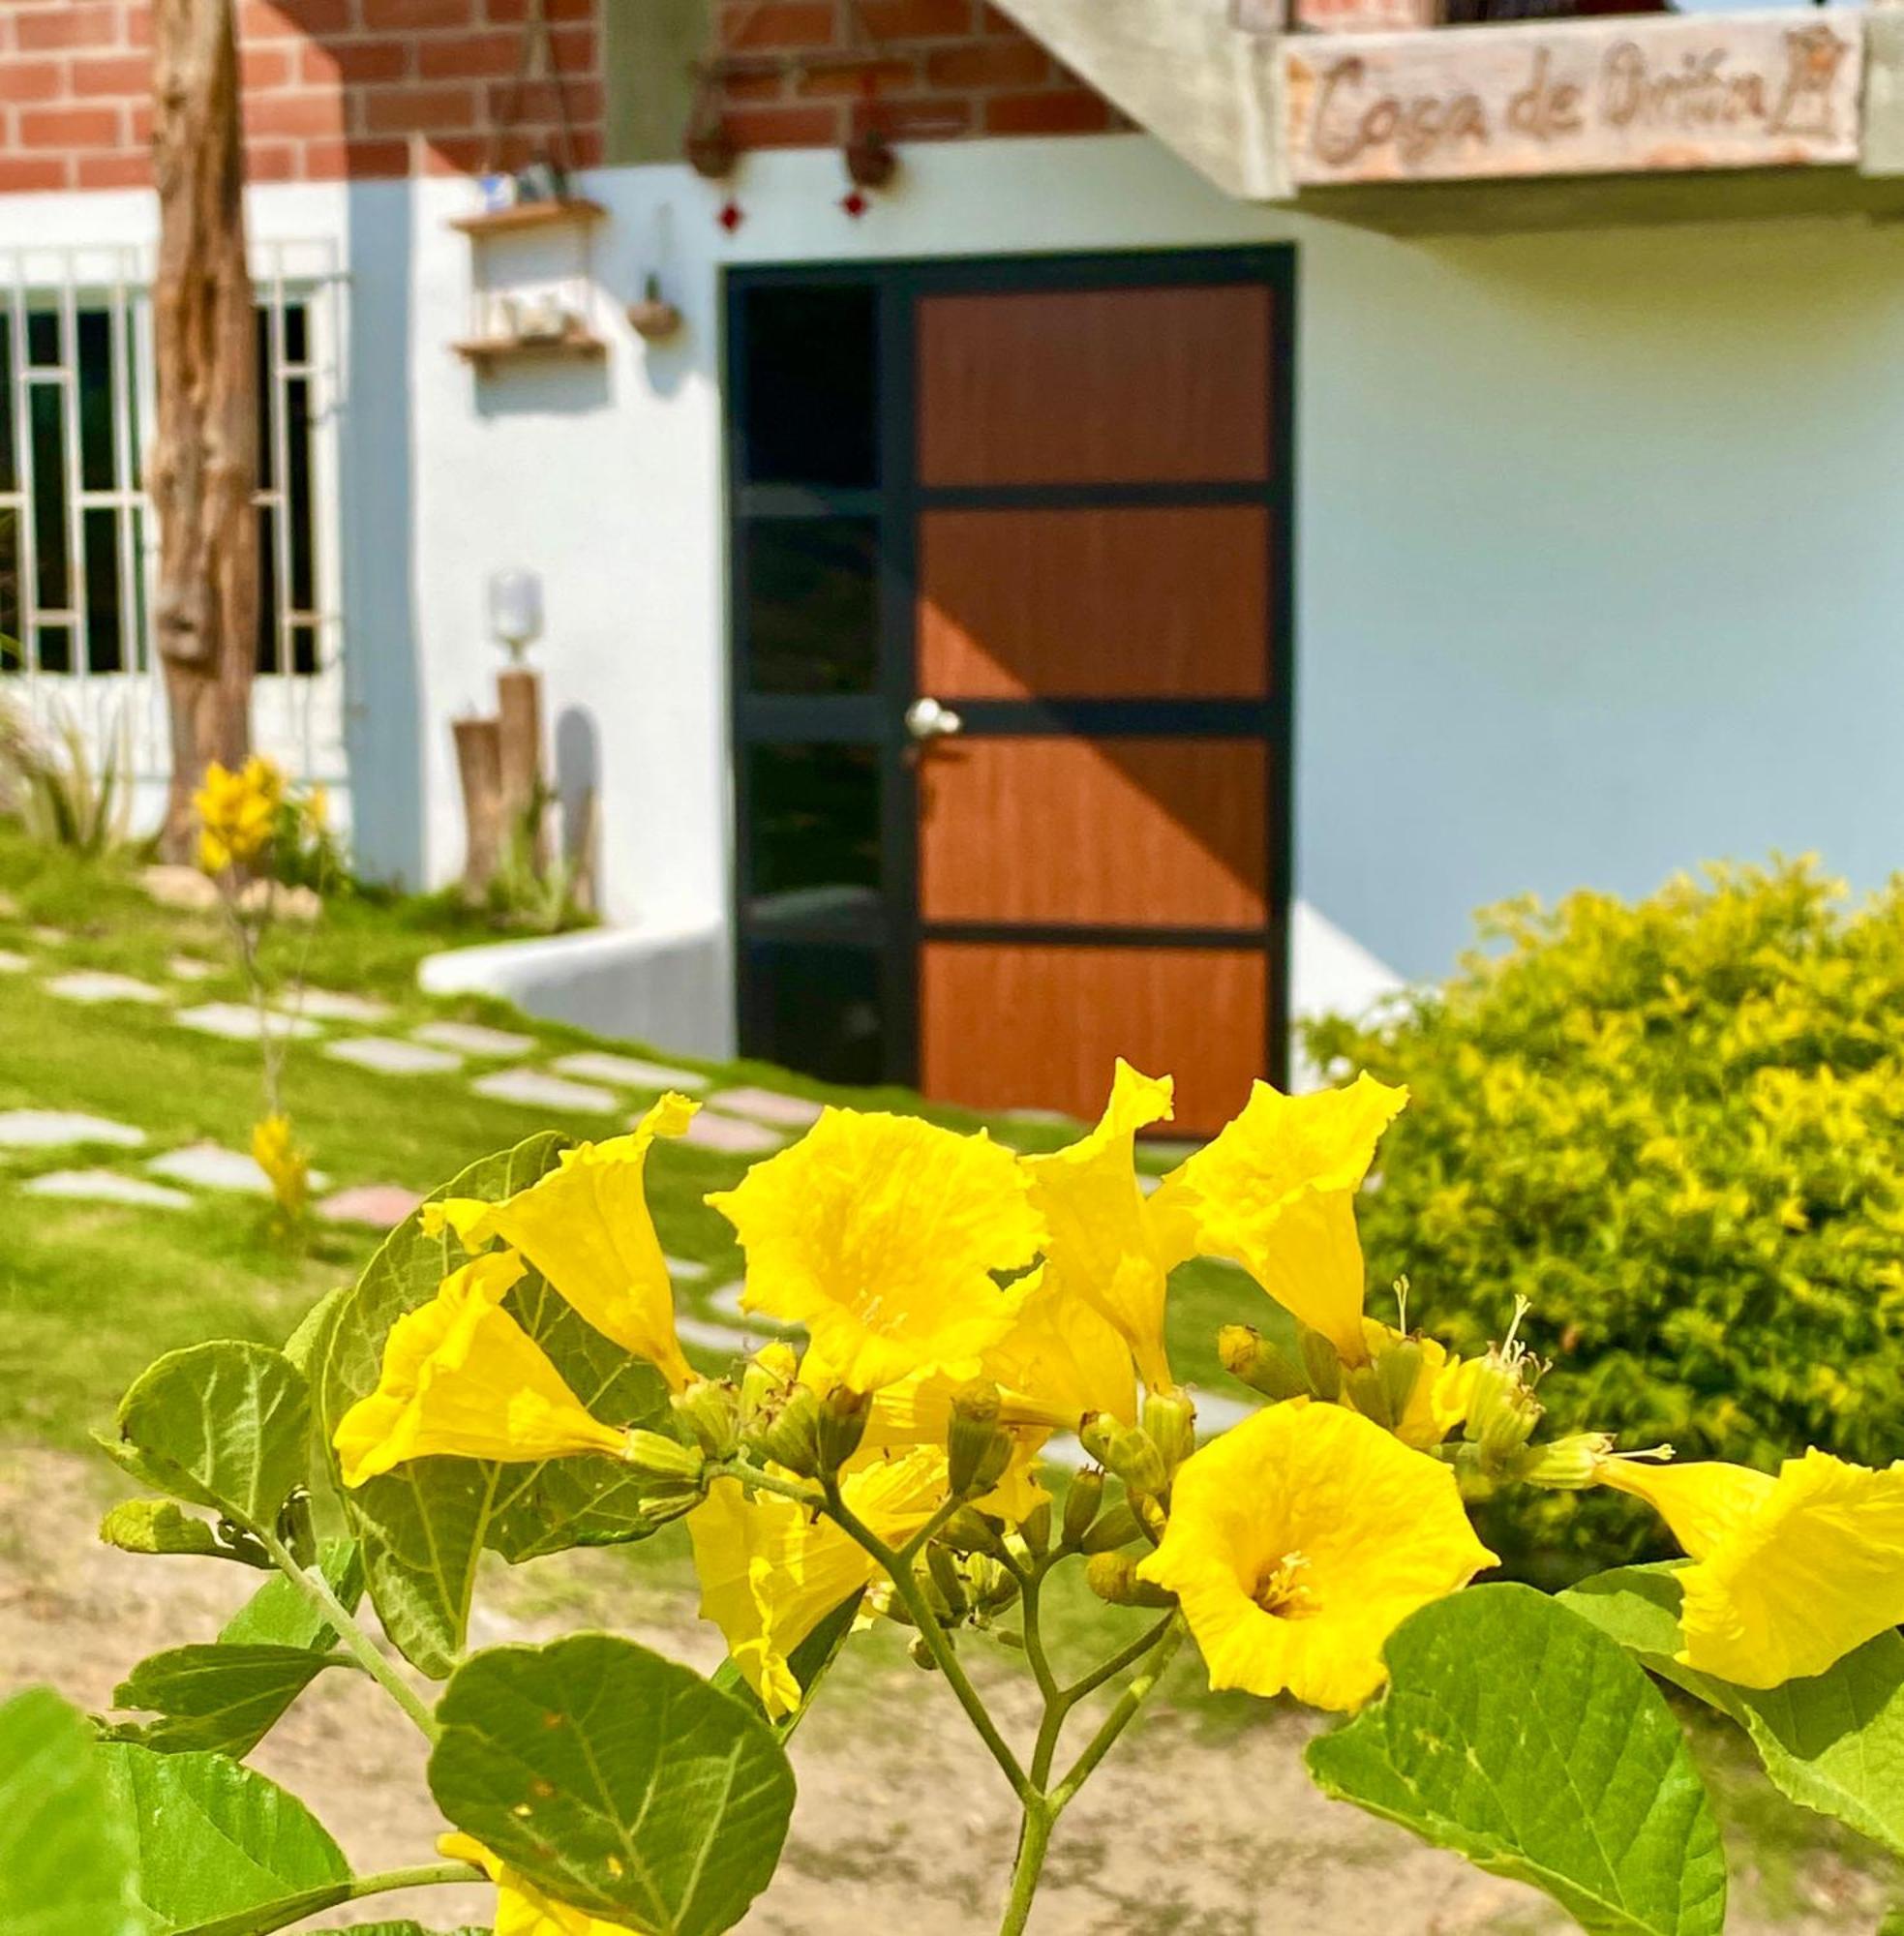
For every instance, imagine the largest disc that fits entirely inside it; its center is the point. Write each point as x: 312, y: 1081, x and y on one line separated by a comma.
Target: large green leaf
x: 215, y: 1839
x: 160, y: 1526
x: 424, y: 1526
x: 223, y: 1425
x: 66, y: 1849
x: 1834, y: 1742
x: 1518, y: 1735
x: 615, y: 1780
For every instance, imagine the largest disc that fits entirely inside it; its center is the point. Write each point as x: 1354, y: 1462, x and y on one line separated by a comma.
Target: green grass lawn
x: 91, y: 1292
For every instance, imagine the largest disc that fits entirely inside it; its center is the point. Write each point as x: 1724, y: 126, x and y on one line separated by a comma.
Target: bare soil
x: 902, y: 1826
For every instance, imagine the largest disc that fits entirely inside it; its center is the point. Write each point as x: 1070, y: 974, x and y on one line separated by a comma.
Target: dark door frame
x: 876, y: 718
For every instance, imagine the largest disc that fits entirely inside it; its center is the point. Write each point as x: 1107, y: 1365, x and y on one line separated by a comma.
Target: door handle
x: 926, y: 719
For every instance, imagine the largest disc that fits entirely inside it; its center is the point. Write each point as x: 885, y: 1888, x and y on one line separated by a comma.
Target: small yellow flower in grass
x: 770, y: 1572
x: 585, y: 1227
x: 521, y: 1908
x: 881, y: 1234
x: 1102, y: 1249
x: 461, y: 1377
x: 1276, y: 1191
x: 284, y: 1163
x: 237, y: 812
x: 1792, y: 1573
x: 1298, y: 1542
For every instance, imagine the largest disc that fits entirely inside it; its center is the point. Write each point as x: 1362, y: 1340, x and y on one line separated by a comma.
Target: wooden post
x: 204, y: 465
x: 479, y: 763
x: 519, y: 701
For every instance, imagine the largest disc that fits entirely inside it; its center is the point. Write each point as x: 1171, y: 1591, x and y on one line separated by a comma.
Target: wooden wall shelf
x: 487, y: 352
x: 525, y: 215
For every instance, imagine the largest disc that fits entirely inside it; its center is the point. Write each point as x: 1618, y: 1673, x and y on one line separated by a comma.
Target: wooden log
x: 202, y: 472
x: 479, y: 765
x: 524, y: 797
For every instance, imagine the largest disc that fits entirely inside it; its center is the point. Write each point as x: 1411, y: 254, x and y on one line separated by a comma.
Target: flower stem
x: 262, y: 1919
x: 1034, y: 1840
x: 1120, y: 1716
x: 316, y: 1589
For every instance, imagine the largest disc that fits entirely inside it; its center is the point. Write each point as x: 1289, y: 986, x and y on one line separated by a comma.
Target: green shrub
x: 1677, y: 1129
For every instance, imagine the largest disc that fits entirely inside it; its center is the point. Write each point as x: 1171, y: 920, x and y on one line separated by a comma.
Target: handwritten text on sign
x: 1599, y: 97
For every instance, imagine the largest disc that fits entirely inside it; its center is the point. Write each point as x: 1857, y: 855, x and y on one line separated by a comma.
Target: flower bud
x: 1113, y: 1578
x: 1117, y: 1527
x: 1170, y: 1425
x: 1566, y: 1465
x: 667, y: 1502
x: 1127, y: 1453
x: 1247, y: 1354
x: 950, y: 1593
x: 655, y: 1456
x: 766, y: 1379
x: 1400, y: 1369
x: 1502, y: 1411
x: 920, y: 1654
x: 1082, y: 1498
x: 711, y: 1410
x: 789, y: 1434
x: 1364, y: 1389
x: 977, y: 1449
x: 1321, y: 1363
x: 970, y: 1531
x: 1035, y: 1528
x: 840, y: 1426
x: 991, y: 1585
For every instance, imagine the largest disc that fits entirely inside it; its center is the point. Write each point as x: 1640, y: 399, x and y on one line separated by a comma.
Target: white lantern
x: 515, y: 611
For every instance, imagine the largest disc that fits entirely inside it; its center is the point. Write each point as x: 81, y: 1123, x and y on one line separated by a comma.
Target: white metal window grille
x: 77, y: 543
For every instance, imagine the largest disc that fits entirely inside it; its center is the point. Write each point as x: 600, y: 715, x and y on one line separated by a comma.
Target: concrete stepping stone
x: 733, y: 1134
x: 333, y: 1004
x: 713, y: 1337
x: 1146, y: 1182
x: 107, y: 1186
x: 1054, y: 1119
x: 189, y: 968
x: 688, y: 1272
x: 629, y: 1072
x: 212, y: 1167
x: 1169, y: 1151
x: 473, y: 1039
x: 93, y: 985
x: 51, y: 1128
x: 47, y: 937
x: 726, y: 1302
x: 535, y: 1090
x: 379, y: 1205
x: 233, y: 1021
x: 388, y: 1056
x: 12, y: 963
x: 769, y: 1105
x: 8, y: 908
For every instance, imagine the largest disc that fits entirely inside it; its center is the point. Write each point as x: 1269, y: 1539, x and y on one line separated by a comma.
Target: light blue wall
x: 1602, y: 564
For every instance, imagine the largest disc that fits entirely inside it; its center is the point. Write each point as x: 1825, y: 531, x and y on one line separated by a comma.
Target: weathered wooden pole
x: 203, y: 468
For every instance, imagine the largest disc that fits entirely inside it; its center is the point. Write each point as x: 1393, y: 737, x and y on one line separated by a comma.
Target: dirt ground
x: 902, y: 1824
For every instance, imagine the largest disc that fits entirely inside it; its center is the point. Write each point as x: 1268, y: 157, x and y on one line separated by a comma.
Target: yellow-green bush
x: 1677, y: 1129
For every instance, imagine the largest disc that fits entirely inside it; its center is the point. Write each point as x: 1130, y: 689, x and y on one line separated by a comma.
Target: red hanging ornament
x: 730, y: 217
x: 855, y: 203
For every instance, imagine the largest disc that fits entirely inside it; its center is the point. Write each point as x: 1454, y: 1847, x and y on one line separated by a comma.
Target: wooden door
x: 1042, y: 504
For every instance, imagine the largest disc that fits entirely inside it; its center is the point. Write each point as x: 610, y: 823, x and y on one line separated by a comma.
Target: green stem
x: 1125, y: 1657
x: 1120, y: 1716
x: 282, y: 1914
x: 316, y: 1589
x: 916, y: 1545
x: 1034, y: 1839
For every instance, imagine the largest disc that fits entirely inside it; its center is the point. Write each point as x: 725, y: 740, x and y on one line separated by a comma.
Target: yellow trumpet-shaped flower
x: 1276, y: 1191
x: 1102, y: 1249
x: 521, y: 1908
x: 237, y: 812
x: 1299, y: 1540
x: 461, y: 1377
x: 1061, y: 1359
x: 1792, y: 1573
x: 1437, y: 1401
x: 585, y: 1227
x: 770, y: 1572
x: 881, y: 1234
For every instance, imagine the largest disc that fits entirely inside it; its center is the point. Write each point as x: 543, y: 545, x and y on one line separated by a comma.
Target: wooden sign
x: 1588, y: 97
x: 1335, y: 16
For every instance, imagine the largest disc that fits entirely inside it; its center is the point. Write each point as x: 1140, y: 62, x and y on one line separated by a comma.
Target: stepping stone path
x: 682, y: 1268
x: 211, y: 1166
x: 46, y: 937
x: 12, y: 963
x: 388, y: 1056
x: 382, y: 1206
x: 8, y: 908
x: 105, y: 1185
x: 732, y: 1135
x: 331, y: 1005
x: 769, y: 1105
x: 88, y: 984
x: 51, y: 1128
x: 752, y: 1323
x: 235, y: 1022
x: 535, y: 1090
x: 189, y: 968
x: 629, y: 1072
x: 473, y: 1039
x: 711, y: 1336
x: 1146, y: 1182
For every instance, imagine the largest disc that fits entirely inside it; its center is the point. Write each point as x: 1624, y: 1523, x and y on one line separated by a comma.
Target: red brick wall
x: 390, y: 87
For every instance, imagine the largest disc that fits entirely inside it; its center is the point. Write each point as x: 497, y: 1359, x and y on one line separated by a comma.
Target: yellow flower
x: 237, y: 812
x: 585, y: 1227
x: 881, y: 1234
x: 1061, y: 1359
x: 1438, y: 1403
x: 288, y: 1167
x: 461, y: 1377
x: 770, y: 1572
x: 1791, y: 1572
x: 521, y: 1908
x: 1298, y: 1542
x: 1103, y: 1249
x: 1276, y: 1191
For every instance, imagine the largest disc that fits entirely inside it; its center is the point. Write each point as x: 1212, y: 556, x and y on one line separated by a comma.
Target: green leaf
x: 157, y: 1526
x: 66, y: 1849
x: 615, y: 1780
x: 305, y: 1347
x: 1834, y: 1742
x: 406, y: 1929
x: 1518, y: 1735
x: 280, y: 1614
x: 221, y: 1425
x: 215, y: 1839
x: 424, y: 1526
x: 808, y: 1663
